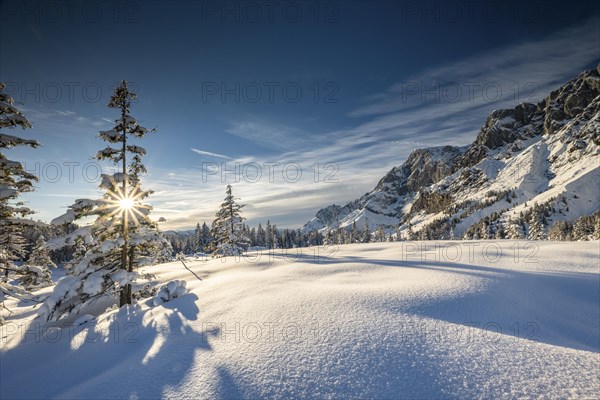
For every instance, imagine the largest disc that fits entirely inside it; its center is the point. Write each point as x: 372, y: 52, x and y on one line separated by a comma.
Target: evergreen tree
x: 514, y: 230
x: 39, y: 255
x: 261, y: 237
x: 269, y: 235
x: 14, y: 180
x: 354, y: 237
x: 366, y: 233
x: 411, y: 235
x: 536, y: 227
x: 122, y: 236
x: 35, y: 277
x: 227, y: 228
x: 197, y: 238
x: 597, y: 226
x: 380, y: 233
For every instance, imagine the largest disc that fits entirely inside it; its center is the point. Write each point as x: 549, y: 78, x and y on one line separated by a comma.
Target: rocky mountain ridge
x: 542, y: 157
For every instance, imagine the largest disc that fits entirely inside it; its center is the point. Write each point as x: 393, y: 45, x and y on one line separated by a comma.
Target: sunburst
x: 126, y: 204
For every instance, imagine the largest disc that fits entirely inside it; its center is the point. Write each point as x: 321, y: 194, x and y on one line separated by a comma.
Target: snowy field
x: 498, y: 319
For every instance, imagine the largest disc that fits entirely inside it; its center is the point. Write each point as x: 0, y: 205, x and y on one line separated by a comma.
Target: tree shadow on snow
x: 131, y: 353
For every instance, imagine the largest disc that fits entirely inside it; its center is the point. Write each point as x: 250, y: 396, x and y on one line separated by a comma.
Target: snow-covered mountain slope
x: 383, y: 320
x: 545, y: 154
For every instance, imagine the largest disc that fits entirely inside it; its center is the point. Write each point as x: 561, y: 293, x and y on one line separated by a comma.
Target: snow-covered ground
x: 460, y: 319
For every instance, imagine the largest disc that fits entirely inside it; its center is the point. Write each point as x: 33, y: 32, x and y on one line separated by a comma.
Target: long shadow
x: 556, y: 308
x: 136, y: 354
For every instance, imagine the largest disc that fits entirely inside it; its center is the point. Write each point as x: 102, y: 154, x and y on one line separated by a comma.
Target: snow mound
x: 170, y: 291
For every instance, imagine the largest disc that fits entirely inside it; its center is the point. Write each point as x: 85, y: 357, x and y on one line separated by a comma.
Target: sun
x: 126, y: 203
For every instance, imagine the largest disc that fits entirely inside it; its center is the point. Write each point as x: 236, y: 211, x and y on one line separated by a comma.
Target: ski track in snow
x: 368, y: 321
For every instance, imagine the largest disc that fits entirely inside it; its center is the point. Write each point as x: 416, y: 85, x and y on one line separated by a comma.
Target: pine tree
x: 14, y: 180
x: 366, y: 232
x: 380, y: 233
x: 354, y: 237
x: 597, y: 226
x: 514, y: 230
x: 227, y: 229
x: 39, y: 254
x: 197, y: 238
x: 269, y: 235
x: 536, y: 227
x: 122, y: 236
x: 411, y: 235
x: 261, y: 237
x: 78, y: 255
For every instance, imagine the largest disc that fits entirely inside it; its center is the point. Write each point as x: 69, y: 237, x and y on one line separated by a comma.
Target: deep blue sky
x: 362, y: 57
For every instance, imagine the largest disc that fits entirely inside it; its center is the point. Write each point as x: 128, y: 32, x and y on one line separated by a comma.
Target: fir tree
x: 354, y: 237
x: 366, y: 232
x: 122, y: 236
x: 261, y: 237
x: 380, y: 233
x: 536, y: 227
x: 39, y: 255
x: 227, y: 229
x: 514, y: 230
x: 14, y: 180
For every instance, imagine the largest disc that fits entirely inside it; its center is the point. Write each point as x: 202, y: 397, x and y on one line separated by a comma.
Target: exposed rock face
x: 543, y: 143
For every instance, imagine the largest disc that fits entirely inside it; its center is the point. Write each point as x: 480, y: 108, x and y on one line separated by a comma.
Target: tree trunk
x: 125, y: 296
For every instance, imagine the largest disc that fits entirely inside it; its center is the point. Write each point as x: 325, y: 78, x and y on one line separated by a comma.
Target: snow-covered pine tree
x: 597, y: 226
x: 227, y: 228
x: 122, y: 236
x: 197, y: 239
x: 514, y: 230
x: 354, y: 236
x: 261, y: 238
x: 366, y: 232
x: 205, y: 238
x: 39, y: 254
x: 410, y: 234
x: 380, y: 233
x: 536, y: 227
x: 14, y: 180
x: 78, y: 255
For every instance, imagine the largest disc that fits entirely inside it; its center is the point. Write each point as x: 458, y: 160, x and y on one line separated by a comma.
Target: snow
x: 457, y: 319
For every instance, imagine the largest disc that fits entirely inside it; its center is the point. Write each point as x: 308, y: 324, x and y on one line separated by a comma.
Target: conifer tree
x: 354, y: 237
x: 514, y: 230
x: 227, y: 229
x: 14, y: 180
x: 536, y: 227
x: 380, y: 233
x: 366, y: 233
x: 122, y: 236
x: 37, y: 268
x: 39, y: 254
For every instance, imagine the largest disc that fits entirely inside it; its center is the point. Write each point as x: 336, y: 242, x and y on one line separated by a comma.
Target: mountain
x: 538, y: 159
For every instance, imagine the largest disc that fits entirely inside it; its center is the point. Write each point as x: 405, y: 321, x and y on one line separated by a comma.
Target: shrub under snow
x: 170, y: 291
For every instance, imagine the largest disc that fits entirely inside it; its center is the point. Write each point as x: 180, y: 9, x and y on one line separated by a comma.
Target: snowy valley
x: 460, y: 319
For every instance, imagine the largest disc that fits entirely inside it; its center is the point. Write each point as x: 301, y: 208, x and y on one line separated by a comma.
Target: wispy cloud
x: 208, y: 153
x: 269, y: 134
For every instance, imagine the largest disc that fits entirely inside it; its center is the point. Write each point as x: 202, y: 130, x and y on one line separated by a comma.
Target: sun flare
x: 126, y: 203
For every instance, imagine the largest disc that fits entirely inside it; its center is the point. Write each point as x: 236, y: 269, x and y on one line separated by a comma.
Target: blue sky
x: 347, y: 89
